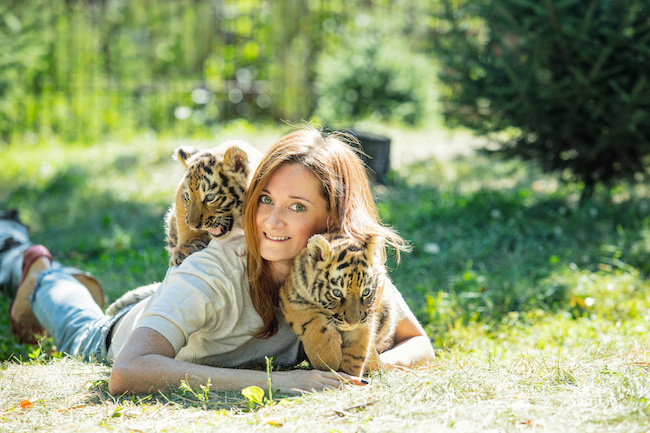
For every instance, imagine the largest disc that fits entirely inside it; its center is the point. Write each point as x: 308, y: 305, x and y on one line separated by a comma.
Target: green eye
x: 265, y: 199
x: 298, y: 207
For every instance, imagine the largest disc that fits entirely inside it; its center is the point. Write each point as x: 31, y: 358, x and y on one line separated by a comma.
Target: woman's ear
x: 332, y: 227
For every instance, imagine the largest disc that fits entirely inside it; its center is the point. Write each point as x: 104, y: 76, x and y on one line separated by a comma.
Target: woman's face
x: 291, y: 209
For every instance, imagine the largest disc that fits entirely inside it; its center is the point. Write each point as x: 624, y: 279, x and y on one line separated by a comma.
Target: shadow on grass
x: 179, y: 397
x: 82, y: 222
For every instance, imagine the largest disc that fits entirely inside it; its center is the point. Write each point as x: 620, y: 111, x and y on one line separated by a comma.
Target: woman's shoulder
x: 219, y: 270
x: 220, y: 256
x: 212, y: 279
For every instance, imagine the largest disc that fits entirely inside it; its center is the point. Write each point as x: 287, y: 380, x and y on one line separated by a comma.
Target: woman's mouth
x: 276, y: 238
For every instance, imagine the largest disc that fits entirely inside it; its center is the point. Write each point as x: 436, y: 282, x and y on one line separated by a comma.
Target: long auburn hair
x: 345, y: 187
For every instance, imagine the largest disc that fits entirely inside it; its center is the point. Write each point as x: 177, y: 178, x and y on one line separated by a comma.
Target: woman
x: 217, y: 311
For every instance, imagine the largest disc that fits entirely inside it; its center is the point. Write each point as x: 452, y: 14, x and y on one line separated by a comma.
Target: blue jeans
x: 60, y: 302
x: 67, y: 310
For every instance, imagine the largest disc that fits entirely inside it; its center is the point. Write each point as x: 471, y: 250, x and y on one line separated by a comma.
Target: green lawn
x: 538, y: 308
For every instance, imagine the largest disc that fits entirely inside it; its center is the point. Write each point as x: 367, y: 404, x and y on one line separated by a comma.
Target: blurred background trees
x: 85, y: 69
x: 562, y: 83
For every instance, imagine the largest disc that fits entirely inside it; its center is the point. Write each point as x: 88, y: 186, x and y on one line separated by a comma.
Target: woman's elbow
x: 118, y: 382
x: 421, y: 351
x: 139, y: 366
x: 429, y: 354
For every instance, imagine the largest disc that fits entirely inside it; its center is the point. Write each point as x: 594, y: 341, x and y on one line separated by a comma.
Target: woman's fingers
x: 316, y: 380
x: 337, y: 380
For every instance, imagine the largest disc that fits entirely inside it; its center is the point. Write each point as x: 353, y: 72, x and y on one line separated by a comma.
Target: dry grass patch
x: 541, y: 390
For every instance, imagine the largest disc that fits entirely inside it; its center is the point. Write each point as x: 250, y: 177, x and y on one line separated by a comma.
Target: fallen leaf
x: 275, y: 422
x: 26, y: 404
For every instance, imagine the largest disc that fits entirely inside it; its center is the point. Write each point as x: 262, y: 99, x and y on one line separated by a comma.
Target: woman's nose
x: 275, y: 218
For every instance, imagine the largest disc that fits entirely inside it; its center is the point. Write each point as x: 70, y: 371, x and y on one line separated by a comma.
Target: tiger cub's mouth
x: 219, y: 226
x: 347, y: 327
x: 216, y: 232
x: 222, y: 228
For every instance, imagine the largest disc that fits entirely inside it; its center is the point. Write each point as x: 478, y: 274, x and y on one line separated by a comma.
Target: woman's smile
x: 276, y: 238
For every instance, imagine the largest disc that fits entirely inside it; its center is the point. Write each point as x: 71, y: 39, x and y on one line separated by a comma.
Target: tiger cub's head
x: 341, y: 276
x: 213, y: 187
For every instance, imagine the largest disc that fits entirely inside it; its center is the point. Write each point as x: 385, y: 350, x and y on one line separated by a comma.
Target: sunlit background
x: 86, y: 69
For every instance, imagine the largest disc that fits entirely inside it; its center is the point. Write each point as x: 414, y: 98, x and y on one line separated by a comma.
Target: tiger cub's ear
x: 236, y: 160
x: 374, y: 249
x: 318, y: 249
x: 184, y: 153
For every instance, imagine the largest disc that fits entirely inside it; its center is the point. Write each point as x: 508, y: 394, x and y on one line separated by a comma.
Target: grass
x: 538, y: 308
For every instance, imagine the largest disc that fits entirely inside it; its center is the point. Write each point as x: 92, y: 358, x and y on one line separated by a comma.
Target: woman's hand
x: 301, y: 381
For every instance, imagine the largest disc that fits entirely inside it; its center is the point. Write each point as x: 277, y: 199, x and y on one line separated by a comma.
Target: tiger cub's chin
x: 333, y: 299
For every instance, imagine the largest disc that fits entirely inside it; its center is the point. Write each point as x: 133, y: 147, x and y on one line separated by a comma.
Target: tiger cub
x: 209, y: 197
x: 333, y: 299
x: 207, y: 203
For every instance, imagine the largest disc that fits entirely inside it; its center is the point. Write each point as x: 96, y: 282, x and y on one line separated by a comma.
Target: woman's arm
x: 146, y: 363
x: 411, y: 345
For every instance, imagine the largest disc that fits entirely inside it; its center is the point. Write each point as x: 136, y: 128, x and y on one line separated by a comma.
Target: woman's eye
x: 265, y: 199
x: 298, y: 207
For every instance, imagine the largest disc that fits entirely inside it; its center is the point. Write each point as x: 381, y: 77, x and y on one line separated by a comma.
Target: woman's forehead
x: 294, y: 179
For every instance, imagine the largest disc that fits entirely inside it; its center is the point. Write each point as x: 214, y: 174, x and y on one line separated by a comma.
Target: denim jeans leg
x: 14, y: 240
x: 67, y: 310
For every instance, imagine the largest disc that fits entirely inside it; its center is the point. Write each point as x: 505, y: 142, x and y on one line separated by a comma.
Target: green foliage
x: 374, y: 74
x: 202, y: 396
x: 254, y: 396
x: 564, y: 83
x: 492, y: 237
x: 24, y: 36
x: 82, y: 71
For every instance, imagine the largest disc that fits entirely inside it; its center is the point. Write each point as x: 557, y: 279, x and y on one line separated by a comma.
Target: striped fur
x: 334, y: 301
x: 131, y: 297
x: 209, y: 197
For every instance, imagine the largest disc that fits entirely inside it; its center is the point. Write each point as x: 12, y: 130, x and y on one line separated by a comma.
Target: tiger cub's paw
x: 181, y: 252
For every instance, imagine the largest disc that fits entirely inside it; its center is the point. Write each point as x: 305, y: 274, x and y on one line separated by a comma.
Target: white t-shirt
x: 204, y: 309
